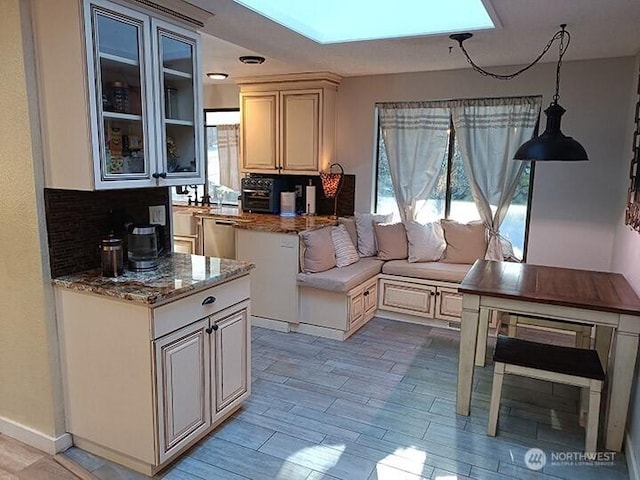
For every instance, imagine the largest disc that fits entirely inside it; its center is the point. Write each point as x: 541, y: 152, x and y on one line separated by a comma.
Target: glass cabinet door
x: 178, y: 88
x: 120, y: 89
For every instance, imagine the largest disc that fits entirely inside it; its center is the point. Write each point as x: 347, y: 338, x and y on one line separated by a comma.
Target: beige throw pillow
x: 346, y: 253
x: 466, y: 243
x: 426, y: 242
x: 391, y: 239
x: 317, y: 252
x: 366, y: 236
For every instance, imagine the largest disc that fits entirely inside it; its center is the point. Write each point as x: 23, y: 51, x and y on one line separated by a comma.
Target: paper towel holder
x: 331, y: 185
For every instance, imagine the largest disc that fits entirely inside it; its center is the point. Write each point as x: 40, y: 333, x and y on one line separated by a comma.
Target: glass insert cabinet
x: 141, y: 75
x: 144, y: 93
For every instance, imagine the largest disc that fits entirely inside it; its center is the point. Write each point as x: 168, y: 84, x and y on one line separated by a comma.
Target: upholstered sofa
x: 419, y: 286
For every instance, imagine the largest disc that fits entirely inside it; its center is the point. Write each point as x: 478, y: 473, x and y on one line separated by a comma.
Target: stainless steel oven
x: 262, y: 194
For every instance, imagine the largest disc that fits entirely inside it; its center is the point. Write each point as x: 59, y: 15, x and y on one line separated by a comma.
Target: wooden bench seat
x: 568, y: 365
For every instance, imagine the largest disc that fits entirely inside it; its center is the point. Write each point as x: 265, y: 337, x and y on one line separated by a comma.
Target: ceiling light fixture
x: 251, y: 59
x: 552, y: 144
x: 217, y: 75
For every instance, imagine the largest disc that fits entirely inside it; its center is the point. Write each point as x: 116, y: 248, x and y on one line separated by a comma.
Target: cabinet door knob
x: 155, y: 175
x: 209, y: 330
x: 366, y: 294
x: 432, y: 293
x: 437, y: 294
x: 214, y: 327
x: 209, y: 300
x: 163, y: 175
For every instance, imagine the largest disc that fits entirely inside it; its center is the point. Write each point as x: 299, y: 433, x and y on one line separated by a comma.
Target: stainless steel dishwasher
x: 219, y: 237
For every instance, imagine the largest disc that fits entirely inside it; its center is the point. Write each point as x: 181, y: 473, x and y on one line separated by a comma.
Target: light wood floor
x: 380, y: 405
x: 20, y: 461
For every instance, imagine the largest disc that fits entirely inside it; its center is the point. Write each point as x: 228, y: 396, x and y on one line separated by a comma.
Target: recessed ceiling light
x: 217, y: 75
x: 251, y: 59
x: 336, y: 21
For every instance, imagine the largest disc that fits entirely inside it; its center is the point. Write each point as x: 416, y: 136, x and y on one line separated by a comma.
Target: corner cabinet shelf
x: 127, y: 83
x: 288, y: 123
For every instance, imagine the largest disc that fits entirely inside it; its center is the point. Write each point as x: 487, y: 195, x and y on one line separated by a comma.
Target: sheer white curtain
x: 488, y: 133
x: 415, y: 136
x: 228, y: 155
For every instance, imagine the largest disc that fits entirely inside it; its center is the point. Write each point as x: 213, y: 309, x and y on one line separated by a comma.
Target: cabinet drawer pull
x: 209, y: 300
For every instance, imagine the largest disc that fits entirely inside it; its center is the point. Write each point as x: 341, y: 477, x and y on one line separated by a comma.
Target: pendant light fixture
x: 552, y: 145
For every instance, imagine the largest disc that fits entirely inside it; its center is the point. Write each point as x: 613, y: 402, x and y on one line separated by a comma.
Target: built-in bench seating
x: 337, y: 302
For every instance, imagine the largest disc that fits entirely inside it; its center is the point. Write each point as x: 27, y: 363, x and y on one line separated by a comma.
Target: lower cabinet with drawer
x: 419, y: 301
x: 143, y: 384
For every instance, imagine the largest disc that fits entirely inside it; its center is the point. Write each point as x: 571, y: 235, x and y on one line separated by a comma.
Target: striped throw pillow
x: 346, y: 253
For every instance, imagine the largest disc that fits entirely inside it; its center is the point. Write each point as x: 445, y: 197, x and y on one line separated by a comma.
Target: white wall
x: 576, y: 207
x: 626, y: 260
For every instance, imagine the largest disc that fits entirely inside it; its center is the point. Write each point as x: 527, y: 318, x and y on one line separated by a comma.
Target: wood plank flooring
x: 22, y: 462
x: 379, y: 406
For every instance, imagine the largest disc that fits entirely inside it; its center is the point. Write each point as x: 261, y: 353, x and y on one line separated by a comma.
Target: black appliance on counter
x: 262, y: 194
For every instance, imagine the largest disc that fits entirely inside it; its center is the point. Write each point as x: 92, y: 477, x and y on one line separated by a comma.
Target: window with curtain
x: 453, y: 159
x: 222, y: 137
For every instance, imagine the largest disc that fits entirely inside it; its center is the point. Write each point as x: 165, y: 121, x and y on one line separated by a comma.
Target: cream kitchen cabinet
x: 419, y: 298
x: 161, y: 377
x: 120, y: 95
x: 202, y: 374
x: 288, y: 123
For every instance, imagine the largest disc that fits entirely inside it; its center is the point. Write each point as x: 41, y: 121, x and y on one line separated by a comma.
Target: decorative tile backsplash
x: 78, y: 220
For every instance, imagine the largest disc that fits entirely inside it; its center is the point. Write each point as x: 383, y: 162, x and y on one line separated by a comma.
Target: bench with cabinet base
x: 339, y: 301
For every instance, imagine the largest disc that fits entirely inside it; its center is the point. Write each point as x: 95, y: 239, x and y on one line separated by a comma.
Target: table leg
x: 481, y: 343
x: 620, y: 380
x: 603, y: 344
x: 468, y: 338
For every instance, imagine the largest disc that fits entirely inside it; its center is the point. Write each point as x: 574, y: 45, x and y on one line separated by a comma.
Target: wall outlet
x: 158, y: 214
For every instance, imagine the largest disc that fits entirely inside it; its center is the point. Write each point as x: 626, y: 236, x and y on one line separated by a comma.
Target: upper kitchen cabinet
x: 288, y: 123
x: 120, y: 96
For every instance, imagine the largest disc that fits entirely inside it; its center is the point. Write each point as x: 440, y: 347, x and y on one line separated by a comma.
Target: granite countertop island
x: 264, y: 222
x: 177, y: 275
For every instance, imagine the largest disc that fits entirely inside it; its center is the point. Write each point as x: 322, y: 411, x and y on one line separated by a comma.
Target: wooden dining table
x: 603, y: 299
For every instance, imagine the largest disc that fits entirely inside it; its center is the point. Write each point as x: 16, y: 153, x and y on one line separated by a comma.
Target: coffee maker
x: 144, y: 244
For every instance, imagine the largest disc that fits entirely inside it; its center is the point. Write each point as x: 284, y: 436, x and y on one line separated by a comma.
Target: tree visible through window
x: 452, y: 198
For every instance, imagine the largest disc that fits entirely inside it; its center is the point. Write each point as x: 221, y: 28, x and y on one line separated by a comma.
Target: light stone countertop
x: 177, y: 275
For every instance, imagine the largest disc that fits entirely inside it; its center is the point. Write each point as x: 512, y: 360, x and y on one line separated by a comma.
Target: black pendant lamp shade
x: 552, y: 145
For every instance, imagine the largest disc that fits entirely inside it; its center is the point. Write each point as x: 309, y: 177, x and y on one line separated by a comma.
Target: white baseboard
x: 633, y: 463
x: 36, y: 439
x: 278, y: 325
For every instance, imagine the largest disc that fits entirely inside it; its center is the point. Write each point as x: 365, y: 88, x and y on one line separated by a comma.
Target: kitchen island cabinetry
x: 120, y: 95
x: 150, y: 369
x: 274, y: 284
x: 288, y: 123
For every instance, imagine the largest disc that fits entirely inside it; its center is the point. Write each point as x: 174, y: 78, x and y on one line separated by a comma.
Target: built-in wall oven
x: 262, y: 194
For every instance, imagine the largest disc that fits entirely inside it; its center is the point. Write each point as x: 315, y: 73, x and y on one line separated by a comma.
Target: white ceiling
x: 599, y: 28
